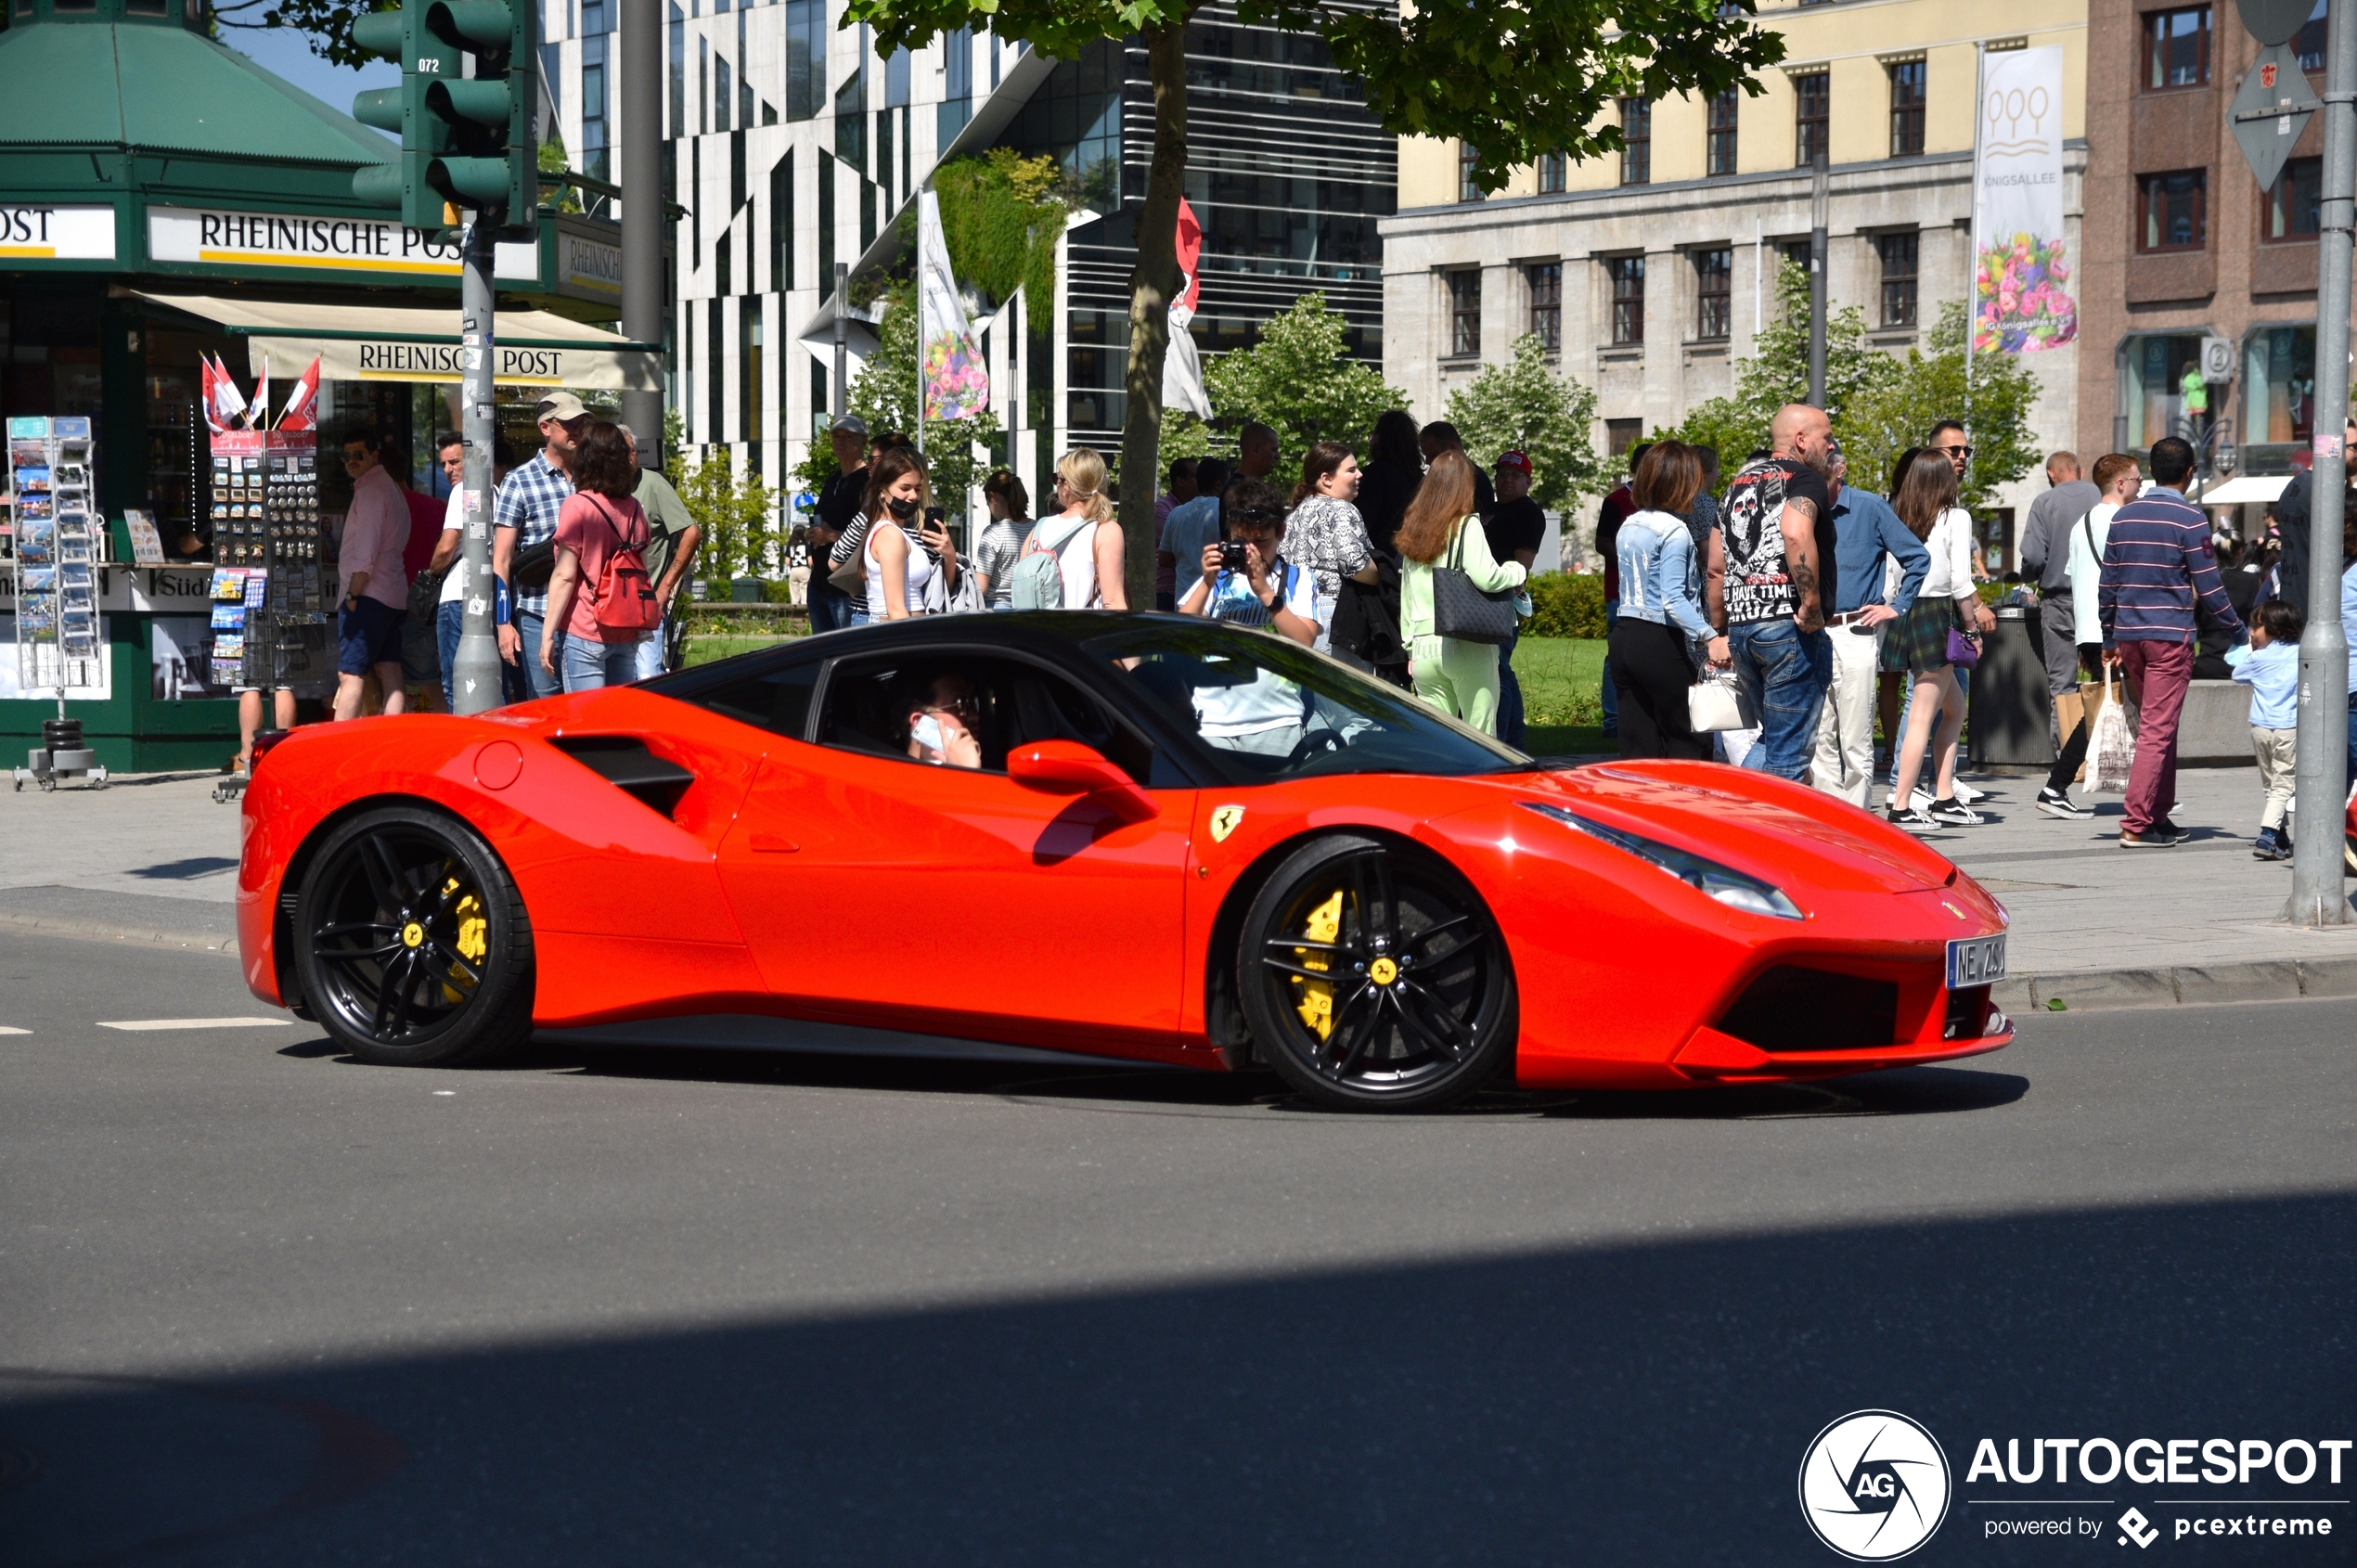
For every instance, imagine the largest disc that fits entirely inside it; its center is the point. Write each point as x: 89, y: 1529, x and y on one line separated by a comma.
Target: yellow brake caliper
x: 473, y: 940
x: 1316, y: 1005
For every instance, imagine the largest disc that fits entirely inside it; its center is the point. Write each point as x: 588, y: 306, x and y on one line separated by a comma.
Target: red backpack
x: 625, y: 597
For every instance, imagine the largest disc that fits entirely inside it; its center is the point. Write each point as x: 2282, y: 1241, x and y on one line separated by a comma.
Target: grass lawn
x: 703, y: 647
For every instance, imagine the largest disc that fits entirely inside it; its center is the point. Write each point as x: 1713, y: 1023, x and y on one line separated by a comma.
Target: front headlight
x: 1724, y: 884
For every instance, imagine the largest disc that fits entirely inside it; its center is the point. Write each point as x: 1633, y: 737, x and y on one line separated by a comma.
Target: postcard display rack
x: 269, y: 588
x: 57, y: 539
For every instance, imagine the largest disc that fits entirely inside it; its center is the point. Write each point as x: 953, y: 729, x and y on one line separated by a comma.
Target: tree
x: 1298, y: 381
x: 737, y: 514
x: 885, y: 393
x: 1513, y: 81
x: 1524, y: 407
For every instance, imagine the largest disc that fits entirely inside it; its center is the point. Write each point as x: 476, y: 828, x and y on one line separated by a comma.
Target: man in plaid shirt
x: 525, y: 515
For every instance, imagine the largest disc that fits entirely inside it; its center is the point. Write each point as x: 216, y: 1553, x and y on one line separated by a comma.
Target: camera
x: 1232, y: 555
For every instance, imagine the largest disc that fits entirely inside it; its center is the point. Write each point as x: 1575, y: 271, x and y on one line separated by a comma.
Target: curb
x: 100, y: 930
x: 2108, y: 990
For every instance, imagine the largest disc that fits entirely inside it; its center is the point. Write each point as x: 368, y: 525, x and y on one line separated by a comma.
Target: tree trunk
x: 1153, y: 285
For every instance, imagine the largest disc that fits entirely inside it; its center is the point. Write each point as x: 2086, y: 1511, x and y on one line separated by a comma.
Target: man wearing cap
x: 525, y: 515
x: 831, y: 608
x: 1867, y: 534
x: 1515, y: 528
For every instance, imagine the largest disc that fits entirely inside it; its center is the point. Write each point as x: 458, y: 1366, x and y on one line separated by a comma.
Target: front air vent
x: 1792, y: 1008
x: 627, y: 763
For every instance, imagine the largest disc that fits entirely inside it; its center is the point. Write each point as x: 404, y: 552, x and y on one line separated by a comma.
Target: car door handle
x: 772, y: 844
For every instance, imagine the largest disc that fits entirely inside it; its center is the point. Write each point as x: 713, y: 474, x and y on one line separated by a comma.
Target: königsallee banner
x: 956, y: 384
x: 2021, y: 267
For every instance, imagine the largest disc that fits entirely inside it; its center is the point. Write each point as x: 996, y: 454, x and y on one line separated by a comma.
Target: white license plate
x: 1976, y: 961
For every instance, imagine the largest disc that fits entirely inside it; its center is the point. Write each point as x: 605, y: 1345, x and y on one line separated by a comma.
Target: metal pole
x: 1972, y: 229
x: 642, y: 209
x: 843, y: 338
x: 1821, y: 199
x: 2321, y: 770
x: 474, y: 676
x: 920, y: 342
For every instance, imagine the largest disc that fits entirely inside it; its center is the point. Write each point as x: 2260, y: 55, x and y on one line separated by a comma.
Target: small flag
x: 258, y: 411
x: 228, y: 404
x: 207, y: 395
x: 302, y: 403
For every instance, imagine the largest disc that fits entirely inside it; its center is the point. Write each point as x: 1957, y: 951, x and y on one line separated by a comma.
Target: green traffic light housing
x: 467, y: 136
x: 425, y: 61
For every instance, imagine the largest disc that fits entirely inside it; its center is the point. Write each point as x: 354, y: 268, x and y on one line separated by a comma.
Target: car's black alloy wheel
x: 1374, y: 978
x: 411, y: 941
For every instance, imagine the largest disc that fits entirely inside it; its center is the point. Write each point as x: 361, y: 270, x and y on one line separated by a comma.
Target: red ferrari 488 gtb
x: 1138, y: 837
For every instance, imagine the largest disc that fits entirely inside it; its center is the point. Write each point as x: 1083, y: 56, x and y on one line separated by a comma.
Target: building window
x: 2154, y: 389
x: 1813, y: 108
x: 2279, y: 396
x: 2177, y: 49
x: 1900, y: 256
x: 851, y: 120
x: 2291, y: 206
x: 1718, y: 138
x: 1622, y: 434
x: 1547, y: 303
x: 1628, y: 275
x: 958, y: 88
x: 1907, y: 108
x: 781, y: 237
x: 1551, y: 171
x: 678, y: 72
x: 1796, y: 252
x: 1637, y: 142
x: 593, y: 161
x: 1714, y: 294
x: 723, y: 92
x: 805, y: 57
x: 1464, y: 312
x: 2309, y: 43
x: 2172, y: 215
x: 1468, y: 187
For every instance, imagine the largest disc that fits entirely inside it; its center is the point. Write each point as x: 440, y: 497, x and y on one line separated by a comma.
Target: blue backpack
x: 1037, y: 580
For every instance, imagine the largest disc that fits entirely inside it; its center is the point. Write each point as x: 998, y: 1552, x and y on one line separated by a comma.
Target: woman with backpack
x: 1455, y: 675
x: 1084, y: 558
x: 602, y: 602
x: 903, y: 562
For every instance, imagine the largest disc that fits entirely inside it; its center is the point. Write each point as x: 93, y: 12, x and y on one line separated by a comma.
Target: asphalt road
x: 261, y: 1304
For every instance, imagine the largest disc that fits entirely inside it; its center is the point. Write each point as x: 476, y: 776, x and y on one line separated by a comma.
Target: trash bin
x: 2008, y: 708
x: 744, y: 590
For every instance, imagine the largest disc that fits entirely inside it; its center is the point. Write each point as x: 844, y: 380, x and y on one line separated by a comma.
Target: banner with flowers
x: 2021, y: 264
x: 957, y: 382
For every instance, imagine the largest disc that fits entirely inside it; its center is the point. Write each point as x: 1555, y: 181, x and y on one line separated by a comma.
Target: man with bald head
x: 1771, y: 585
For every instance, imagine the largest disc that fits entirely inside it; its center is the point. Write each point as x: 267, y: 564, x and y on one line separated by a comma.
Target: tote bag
x: 2111, y: 750
x: 1465, y: 612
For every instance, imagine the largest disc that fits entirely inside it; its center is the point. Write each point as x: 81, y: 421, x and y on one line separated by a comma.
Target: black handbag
x: 1464, y: 613
x: 530, y: 568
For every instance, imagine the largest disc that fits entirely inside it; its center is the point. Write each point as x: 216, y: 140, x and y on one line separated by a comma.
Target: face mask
x: 902, y: 506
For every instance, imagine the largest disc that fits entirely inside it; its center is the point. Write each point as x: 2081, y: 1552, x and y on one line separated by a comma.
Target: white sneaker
x: 1967, y: 794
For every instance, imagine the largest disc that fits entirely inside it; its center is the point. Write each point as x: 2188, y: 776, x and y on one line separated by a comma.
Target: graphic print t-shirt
x: 1759, y: 585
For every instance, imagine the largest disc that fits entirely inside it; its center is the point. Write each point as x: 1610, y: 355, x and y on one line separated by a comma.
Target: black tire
x: 411, y: 942
x: 1423, y: 1012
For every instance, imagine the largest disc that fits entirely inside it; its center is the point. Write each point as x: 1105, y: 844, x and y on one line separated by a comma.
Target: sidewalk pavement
x: 153, y: 859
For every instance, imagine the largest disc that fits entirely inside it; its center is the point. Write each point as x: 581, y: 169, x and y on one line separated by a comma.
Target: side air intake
x: 629, y: 766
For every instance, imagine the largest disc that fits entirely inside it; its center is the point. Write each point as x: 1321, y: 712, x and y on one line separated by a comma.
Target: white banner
x: 333, y: 243
x: 956, y: 383
x: 32, y: 231
x: 2021, y: 267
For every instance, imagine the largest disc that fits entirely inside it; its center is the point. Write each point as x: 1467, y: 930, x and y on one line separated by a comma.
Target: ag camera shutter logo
x: 1875, y: 1485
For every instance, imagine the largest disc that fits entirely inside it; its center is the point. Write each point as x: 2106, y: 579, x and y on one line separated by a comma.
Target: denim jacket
x: 1659, y: 579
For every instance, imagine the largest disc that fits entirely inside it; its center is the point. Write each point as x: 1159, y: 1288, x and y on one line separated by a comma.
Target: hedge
x: 1566, y: 604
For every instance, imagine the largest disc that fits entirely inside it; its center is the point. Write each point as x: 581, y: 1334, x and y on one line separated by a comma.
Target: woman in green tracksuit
x: 1441, y: 528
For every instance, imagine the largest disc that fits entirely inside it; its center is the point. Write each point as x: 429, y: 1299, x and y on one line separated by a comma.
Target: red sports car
x: 1141, y: 836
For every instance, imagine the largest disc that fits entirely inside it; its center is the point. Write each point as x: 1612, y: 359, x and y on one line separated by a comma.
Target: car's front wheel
x: 411, y: 942
x: 1374, y: 978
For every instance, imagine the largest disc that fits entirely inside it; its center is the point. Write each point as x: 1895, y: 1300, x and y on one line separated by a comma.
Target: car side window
x: 777, y: 699
x: 968, y: 710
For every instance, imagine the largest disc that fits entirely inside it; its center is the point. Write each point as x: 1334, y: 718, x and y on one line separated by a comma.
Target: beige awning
x: 2244, y: 490
x: 531, y: 348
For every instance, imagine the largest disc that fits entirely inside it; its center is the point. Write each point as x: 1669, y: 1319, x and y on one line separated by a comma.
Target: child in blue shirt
x: 2270, y: 666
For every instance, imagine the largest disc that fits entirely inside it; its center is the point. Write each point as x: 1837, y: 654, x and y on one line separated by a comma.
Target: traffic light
x: 425, y: 61
x: 491, y: 161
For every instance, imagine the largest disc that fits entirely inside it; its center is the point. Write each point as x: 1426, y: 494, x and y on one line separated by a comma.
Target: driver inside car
x: 941, y: 713
x: 1246, y: 580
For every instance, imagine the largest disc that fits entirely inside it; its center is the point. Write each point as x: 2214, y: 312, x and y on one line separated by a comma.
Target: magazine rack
x: 53, y: 561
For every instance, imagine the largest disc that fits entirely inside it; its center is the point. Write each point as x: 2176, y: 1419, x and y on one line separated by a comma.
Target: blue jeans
x: 651, y: 650
x: 536, y: 681
x: 1611, y: 695
x: 449, y: 622
x: 829, y: 606
x: 1510, y: 724
x: 589, y: 664
x: 1785, y: 671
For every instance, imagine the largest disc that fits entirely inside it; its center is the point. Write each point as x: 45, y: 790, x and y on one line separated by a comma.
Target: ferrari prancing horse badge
x: 1223, y: 821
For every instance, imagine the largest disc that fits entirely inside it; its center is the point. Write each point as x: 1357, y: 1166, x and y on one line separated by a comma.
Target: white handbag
x: 1717, y: 702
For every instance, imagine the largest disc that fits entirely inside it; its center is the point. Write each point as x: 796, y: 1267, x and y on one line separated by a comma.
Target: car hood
x: 1755, y: 823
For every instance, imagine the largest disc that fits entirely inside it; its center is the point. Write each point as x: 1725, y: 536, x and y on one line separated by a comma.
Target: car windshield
x: 1270, y: 709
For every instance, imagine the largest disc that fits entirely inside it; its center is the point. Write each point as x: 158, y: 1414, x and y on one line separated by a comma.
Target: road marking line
x: 142, y: 1024
x: 4, y: 1029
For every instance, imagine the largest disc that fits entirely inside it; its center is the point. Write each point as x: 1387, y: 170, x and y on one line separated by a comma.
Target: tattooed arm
x: 1714, y: 583
x: 1799, y: 522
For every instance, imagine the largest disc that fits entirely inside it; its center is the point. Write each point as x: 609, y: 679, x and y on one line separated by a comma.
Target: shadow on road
x: 1628, y: 1404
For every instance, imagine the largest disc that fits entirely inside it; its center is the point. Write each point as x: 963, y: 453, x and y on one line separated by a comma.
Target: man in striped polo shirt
x: 2157, y: 561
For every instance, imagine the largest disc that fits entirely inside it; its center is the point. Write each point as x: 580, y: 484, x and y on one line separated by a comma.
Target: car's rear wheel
x: 411, y: 942
x: 1374, y: 978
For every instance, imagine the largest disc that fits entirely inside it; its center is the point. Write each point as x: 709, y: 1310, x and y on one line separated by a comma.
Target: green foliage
x: 737, y: 514
x: 1002, y: 214
x: 885, y: 393
x: 326, y: 24
x: 1513, y: 81
x: 1523, y: 406
x: 557, y: 197
x: 1879, y: 404
x: 1565, y: 604
x: 1298, y: 381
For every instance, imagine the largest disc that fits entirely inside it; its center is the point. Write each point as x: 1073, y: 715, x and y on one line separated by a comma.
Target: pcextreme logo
x: 1875, y: 1485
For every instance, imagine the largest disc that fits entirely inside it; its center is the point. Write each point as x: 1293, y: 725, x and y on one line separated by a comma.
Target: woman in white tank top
x: 1092, y: 569
x: 900, y: 564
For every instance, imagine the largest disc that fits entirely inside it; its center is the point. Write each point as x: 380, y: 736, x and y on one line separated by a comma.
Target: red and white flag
x: 258, y: 411
x: 301, y: 412
x: 206, y: 390
x: 228, y: 404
